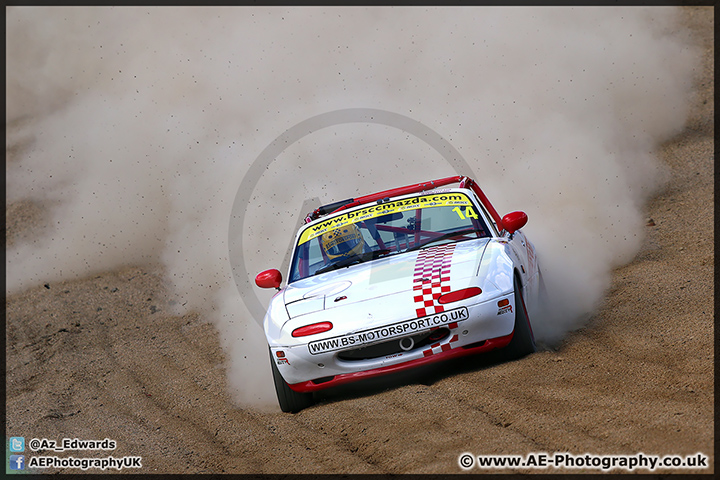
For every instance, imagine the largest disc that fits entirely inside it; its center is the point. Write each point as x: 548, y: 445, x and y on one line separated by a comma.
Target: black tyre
x: 523, y: 342
x: 289, y: 400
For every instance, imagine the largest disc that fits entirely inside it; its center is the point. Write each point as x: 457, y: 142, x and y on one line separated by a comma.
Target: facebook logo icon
x: 17, y: 462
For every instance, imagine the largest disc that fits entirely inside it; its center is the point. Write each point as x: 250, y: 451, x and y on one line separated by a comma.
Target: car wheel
x: 289, y: 400
x: 523, y: 342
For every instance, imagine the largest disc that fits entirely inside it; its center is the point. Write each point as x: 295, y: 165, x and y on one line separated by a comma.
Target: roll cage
x: 380, y: 197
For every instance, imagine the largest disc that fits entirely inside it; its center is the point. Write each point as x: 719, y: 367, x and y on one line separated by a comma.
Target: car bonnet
x: 379, y: 278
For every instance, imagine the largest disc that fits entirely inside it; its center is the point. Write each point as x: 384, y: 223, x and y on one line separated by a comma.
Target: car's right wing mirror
x: 269, y: 279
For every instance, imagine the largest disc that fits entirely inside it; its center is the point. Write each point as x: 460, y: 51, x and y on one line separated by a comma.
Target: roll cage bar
x: 384, y: 196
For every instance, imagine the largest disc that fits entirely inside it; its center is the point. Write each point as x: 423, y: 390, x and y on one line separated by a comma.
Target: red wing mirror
x: 269, y: 279
x: 514, y: 221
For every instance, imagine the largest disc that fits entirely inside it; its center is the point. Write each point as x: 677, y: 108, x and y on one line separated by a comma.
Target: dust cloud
x: 133, y: 128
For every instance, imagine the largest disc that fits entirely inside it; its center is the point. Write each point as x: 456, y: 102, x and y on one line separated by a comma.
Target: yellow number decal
x: 469, y: 212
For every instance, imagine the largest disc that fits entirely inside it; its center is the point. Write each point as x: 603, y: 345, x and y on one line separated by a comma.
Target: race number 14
x: 470, y: 213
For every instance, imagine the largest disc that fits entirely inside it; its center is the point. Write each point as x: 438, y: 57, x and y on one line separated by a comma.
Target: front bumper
x: 484, y: 327
x: 327, y: 382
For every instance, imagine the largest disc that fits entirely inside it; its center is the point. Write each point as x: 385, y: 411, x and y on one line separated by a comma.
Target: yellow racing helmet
x: 343, y: 242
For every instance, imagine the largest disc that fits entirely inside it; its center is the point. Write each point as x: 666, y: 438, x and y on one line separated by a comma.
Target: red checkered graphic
x: 437, y: 347
x: 432, y: 278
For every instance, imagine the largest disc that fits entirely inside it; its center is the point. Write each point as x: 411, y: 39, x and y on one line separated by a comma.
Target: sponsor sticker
x: 422, y: 201
x: 388, y: 331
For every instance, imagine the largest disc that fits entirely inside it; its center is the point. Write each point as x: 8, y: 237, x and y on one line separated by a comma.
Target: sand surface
x: 103, y: 357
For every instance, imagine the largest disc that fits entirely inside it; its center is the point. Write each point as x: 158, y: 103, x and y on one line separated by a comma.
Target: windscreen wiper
x: 444, y: 237
x: 346, y: 262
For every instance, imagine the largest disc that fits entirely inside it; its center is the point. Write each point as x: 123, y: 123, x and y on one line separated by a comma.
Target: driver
x: 343, y: 242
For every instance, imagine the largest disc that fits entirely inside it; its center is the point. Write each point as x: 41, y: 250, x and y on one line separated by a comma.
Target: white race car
x: 398, y: 279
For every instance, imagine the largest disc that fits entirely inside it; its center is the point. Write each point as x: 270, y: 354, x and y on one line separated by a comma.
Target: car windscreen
x: 383, y: 229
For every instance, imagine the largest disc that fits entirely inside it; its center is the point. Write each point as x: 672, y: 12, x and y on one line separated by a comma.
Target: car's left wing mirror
x: 269, y: 279
x: 514, y: 221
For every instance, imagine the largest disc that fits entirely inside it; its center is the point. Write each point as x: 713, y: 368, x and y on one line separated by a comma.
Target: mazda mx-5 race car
x: 397, y: 279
